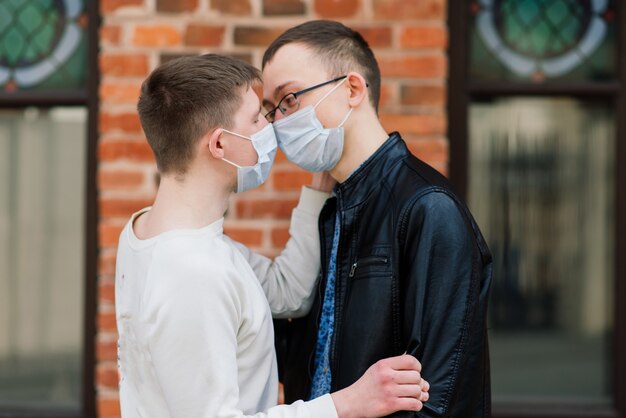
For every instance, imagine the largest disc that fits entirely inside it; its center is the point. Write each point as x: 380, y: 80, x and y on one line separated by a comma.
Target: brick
x: 167, y: 56
x: 204, y: 35
x: 121, y: 122
x: 247, y: 236
x: 176, y: 6
x: 429, y: 149
x: 418, y: 95
x: 242, y: 56
x: 108, y: 407
x: 113, y: 207
x: 280, y: 236
x: 283, y: 7
x: 106, y: 350
x: 107, y: 376
x: 109, y: 6
x: 106, y: 264
x: 410, y: 9
x: 232, y: 7
x: 423, y: 36
x: 110, y: 34
x: 127, y: 65
x: 265, y: 208
x: 386, y: 96
x: 116, y: 179
x: 290, y: 179
x: 108, y: 234
x: 156, y: 36
x: 336, y: 8
x: 431, y: 124
x: 106, y: 321
x: 433, y: 151
x: 256, y: 36
x: 125, y: 149
x: 376, y: 36
x: 426, y: 66
x: 280, y: 157
x: 106, y: 292
x: 119, y: 92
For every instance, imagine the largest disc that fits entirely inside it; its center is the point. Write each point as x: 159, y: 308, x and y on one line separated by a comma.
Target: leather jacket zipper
x: 367, y: 261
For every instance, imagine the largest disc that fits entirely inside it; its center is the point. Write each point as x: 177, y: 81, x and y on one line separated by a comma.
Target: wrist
x: 344, y: 404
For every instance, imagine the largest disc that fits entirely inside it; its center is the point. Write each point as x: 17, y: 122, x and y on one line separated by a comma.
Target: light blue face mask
x: 264, y: 143
x: 306, y: 142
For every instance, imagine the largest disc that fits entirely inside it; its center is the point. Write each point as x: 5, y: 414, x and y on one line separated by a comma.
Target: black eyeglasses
x: 290, y: 103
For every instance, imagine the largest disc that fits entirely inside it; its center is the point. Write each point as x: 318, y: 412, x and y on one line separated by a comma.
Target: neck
x: 363, y: 136
x: 190, y: 203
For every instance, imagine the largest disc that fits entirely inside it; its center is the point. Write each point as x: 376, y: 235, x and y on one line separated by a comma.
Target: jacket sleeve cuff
x: 312, y: 201
x: 323, y: 407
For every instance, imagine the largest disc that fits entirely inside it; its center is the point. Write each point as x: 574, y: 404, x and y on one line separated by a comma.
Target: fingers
x: 408, y: 404
x: 413, y: 390
x: 403, y: 362
x: 408, y: 391
x: 404, y: 377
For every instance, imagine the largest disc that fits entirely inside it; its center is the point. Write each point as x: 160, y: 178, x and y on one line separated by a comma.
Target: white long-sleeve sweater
x: 195, y: 326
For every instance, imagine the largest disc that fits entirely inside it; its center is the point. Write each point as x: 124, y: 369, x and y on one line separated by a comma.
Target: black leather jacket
x: 413, y: 274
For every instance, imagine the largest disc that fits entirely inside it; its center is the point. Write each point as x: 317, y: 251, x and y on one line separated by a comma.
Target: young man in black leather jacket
x: 404, y: 266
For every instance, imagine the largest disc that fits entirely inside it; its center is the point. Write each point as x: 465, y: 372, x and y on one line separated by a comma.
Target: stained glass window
x: 542, y: 40
x: 43, y: 45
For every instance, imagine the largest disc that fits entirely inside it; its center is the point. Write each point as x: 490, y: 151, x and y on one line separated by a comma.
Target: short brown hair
x: 183, y: 99
x: 340, y: 49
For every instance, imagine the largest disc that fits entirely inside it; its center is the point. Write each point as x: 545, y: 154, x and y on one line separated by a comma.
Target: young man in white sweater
x: 194, y: 308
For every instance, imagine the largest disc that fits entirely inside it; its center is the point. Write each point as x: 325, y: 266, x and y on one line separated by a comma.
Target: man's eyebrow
x: 278, y: 94
x: 278, y: 91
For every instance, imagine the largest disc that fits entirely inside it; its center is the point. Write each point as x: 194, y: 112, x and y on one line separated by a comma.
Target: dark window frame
x: 460, y: 92
x: 88, y: 98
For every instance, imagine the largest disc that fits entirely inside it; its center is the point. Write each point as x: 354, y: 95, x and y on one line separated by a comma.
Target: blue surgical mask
x: 264, y: 143
x: 306, y: 142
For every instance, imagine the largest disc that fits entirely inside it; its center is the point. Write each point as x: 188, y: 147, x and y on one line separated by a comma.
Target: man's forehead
x: 291, y: 67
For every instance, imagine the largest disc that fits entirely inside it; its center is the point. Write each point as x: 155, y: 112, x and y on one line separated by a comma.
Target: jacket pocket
x: 368, y: 266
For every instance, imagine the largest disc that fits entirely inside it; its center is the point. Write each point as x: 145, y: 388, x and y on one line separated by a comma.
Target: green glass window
x: 541, y: 40
x: 43, y: 45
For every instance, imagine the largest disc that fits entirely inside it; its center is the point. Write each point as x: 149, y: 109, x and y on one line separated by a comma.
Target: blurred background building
x: 522, y: 103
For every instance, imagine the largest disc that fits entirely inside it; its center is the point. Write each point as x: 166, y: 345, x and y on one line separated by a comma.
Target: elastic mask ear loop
x: 346, y: 118
x: 329, y: 92
x: 240, y: 136
x: 236, y: 134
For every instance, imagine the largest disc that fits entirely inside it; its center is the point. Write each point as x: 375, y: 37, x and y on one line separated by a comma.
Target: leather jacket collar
x: 371, y: 172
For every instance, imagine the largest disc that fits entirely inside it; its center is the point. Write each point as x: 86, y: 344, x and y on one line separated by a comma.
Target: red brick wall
x: 409, y: 38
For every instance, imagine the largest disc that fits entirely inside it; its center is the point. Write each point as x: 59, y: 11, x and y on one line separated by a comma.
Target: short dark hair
x: 339, y: 48
x: 184, y: 98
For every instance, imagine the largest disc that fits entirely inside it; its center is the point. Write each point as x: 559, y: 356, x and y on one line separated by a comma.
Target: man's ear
x: 358, y: 88
x: 215, y: 146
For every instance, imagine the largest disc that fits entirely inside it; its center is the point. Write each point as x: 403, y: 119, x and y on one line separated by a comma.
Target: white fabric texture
x: 194, y: 316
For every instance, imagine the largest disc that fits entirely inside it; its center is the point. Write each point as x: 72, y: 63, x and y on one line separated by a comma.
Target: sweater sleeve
x: 289, y: 281
x: 194, y: 314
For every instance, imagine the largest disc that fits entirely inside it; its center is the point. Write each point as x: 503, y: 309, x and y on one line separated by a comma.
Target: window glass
x: 43, y: 44
x: 542, y: 190
x: 42, y: 198
x: 541, y: 40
